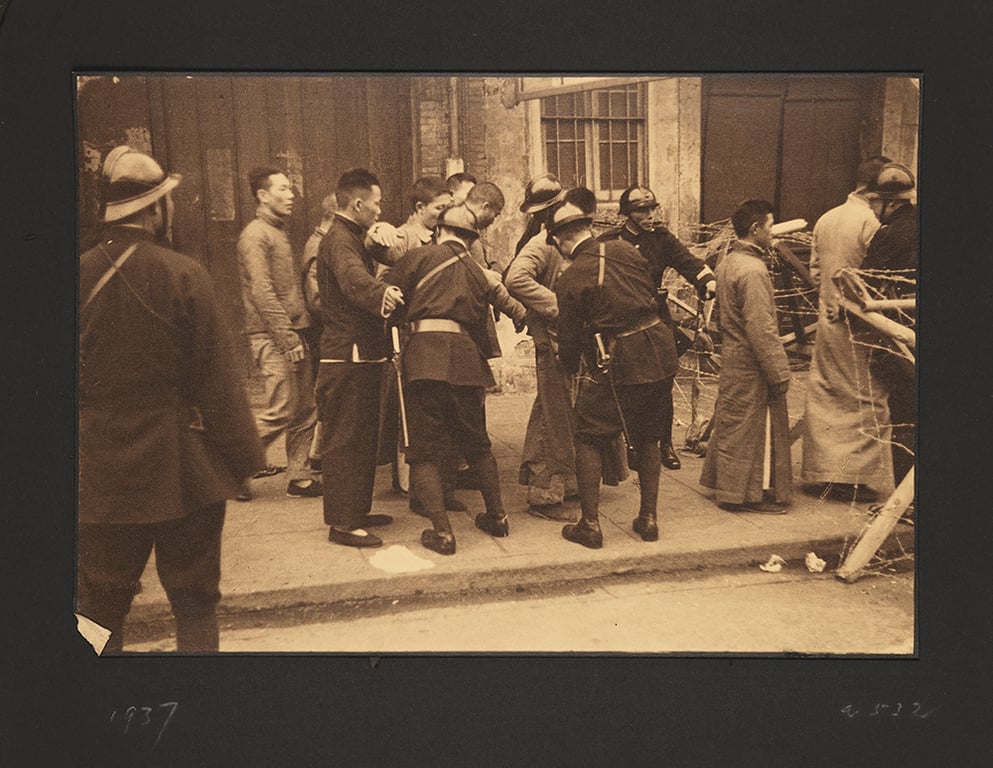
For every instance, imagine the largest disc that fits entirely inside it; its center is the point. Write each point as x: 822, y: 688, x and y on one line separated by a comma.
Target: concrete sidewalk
x: 276, y: 554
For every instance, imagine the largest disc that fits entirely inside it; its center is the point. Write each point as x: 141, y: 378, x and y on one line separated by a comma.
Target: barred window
x: 596, y: 138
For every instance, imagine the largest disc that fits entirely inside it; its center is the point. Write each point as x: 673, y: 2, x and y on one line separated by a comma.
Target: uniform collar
x: 585, y: 244
x: 423, y: 233
x: 352, y: 226
x: 751, y: 249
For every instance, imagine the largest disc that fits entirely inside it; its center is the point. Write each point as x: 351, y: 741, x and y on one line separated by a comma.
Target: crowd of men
x: 378, y: 352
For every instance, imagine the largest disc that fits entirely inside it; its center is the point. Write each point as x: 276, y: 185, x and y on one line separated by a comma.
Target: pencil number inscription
x: 882, y: 710
x: 143, y: 722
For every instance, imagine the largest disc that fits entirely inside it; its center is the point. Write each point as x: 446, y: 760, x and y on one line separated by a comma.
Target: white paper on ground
x: 399, y: 559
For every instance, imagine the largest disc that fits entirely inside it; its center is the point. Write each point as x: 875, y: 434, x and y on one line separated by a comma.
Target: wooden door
x: 793, y: 140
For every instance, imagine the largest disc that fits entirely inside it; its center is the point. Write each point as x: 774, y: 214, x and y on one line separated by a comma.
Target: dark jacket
x: 894, y: 248
x: 351, y: 296
x: 460, y: 292
x: 662, y: 250
x: 624, y: 302
x: 156, y: 359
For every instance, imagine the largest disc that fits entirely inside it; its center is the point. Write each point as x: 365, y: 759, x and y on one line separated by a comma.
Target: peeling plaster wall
x: 901, y: 120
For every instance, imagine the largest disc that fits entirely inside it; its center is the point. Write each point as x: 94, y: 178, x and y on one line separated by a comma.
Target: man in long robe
x: 845, y: 421
x: 748, y: 456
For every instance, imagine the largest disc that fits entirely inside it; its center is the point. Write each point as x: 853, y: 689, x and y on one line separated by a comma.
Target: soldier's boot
x: 646, y: 524
x: 425, y: 483
x: 494, y: 520
x: 197, y: 633
x: 589, y: 466
x: 449, y: 479
x: 449, y: 472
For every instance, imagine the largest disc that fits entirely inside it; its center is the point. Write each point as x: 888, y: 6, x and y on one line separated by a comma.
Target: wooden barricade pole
x: 877, y: 531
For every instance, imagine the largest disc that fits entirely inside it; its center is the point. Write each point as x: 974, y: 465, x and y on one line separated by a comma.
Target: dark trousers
x: 348, y: 401
x: 111, y: 559
x: 898, y: 376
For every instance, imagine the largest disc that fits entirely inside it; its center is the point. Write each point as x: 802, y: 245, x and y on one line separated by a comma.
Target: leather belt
x: 436, y: 324
x: 643, y: 327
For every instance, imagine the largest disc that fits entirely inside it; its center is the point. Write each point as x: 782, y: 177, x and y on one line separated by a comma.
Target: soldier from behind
x: 611, y: 334
x: 446, y: 373
x: 166, y: 434
x: 892, y: 258
x: 662, y: 250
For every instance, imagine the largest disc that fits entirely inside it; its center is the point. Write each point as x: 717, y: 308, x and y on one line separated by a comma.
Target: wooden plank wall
x: 214, y: 128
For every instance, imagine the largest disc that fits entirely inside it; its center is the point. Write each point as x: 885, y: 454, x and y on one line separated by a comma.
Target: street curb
x: 480, y: 582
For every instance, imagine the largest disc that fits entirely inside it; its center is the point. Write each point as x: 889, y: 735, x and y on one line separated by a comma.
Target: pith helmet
x: 541, y: 193
x: 893, y: 182
x: 461, y: 218
x: 131, y: 180
x: 566, y: 214
x: 637, y: 198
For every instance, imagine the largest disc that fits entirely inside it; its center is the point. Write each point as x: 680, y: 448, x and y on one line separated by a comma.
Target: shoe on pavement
x: 441, y: 542
x: 354, y: 538
x: 582, y: 534
x: 269, y: 470
x: 555, y: 512
x: 670, y: 459
x: 647, y: 529
x: 309, y: 488
x: 494, y: 526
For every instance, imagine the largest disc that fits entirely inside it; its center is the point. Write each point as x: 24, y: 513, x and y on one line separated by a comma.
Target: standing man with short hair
x: 354, y: 351
x: 165, y: 430
x: 459, y: 185
x: 275, y: 320
x: 607, y: 293
x: 662, y: 250
x: 748, y: 456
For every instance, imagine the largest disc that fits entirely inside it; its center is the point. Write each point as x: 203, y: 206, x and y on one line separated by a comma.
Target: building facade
x: 702, y: 143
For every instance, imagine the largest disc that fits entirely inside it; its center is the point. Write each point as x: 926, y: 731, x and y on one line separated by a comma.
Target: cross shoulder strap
x: 432, y: 273
x: 111, y: 271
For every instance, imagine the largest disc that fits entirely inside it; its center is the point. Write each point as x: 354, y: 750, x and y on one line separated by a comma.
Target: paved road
x: 753, y: 612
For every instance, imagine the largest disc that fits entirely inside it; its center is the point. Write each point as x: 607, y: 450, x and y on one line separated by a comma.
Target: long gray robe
x: 752, y: 358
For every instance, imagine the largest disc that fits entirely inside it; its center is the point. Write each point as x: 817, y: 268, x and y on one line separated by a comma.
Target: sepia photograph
x: 497, y: 363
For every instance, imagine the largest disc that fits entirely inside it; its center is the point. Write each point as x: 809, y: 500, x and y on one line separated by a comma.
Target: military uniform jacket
x: 894, y: 249
x: 155, y: 361
x: 460, y: 292
x: 351, y: 296
x: 621, y: 302
x: 662, y: 249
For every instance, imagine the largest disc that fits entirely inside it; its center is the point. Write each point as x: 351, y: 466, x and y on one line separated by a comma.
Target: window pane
x: 566, y: 130
x: 618, y: 103
x: 567, y: 164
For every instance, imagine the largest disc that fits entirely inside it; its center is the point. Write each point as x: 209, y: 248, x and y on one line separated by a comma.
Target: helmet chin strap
x: 165, y: 221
